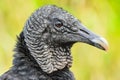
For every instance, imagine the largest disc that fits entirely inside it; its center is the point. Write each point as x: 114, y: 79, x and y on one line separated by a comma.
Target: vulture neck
x: 48, y: 59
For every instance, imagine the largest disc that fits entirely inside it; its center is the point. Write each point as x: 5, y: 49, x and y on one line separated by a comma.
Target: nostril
x: 74, y: 28
x: 84, y: 31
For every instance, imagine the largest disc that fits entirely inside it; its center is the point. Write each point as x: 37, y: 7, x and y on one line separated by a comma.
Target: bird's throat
x: 51, y: 58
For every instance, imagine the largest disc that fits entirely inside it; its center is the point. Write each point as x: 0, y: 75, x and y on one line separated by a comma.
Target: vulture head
x: 50, y: 32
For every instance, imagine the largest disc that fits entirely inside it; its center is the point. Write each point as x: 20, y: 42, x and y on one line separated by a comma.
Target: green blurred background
x: 100, y: 16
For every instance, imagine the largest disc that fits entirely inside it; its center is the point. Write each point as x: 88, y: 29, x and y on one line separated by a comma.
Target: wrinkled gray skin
x: 43, y: 47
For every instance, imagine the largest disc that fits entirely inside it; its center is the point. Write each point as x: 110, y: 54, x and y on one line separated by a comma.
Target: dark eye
x: 58, y: 24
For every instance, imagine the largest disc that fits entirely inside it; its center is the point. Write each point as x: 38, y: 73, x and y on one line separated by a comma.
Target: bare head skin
x: 50, y: 33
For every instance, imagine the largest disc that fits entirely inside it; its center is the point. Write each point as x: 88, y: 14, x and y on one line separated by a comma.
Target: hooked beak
x: 89, y: 37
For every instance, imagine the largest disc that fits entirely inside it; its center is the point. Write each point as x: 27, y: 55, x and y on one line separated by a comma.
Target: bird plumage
x: 43, y: 47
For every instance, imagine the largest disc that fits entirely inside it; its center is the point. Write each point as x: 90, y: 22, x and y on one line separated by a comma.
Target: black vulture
x: 43, y: 47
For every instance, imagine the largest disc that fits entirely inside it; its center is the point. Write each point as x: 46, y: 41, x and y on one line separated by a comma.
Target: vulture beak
x: 86, y: 36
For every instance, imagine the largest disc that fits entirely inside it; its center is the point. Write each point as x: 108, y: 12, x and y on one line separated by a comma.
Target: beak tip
x: 102, y: 42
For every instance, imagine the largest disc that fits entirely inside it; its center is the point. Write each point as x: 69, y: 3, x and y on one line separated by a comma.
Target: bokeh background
x: 90, y: 63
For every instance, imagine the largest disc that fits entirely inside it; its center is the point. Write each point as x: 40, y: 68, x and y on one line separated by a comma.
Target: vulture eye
x: 58, y: 24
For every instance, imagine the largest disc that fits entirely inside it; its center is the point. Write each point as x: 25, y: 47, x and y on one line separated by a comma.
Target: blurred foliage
x: 100, y: 16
